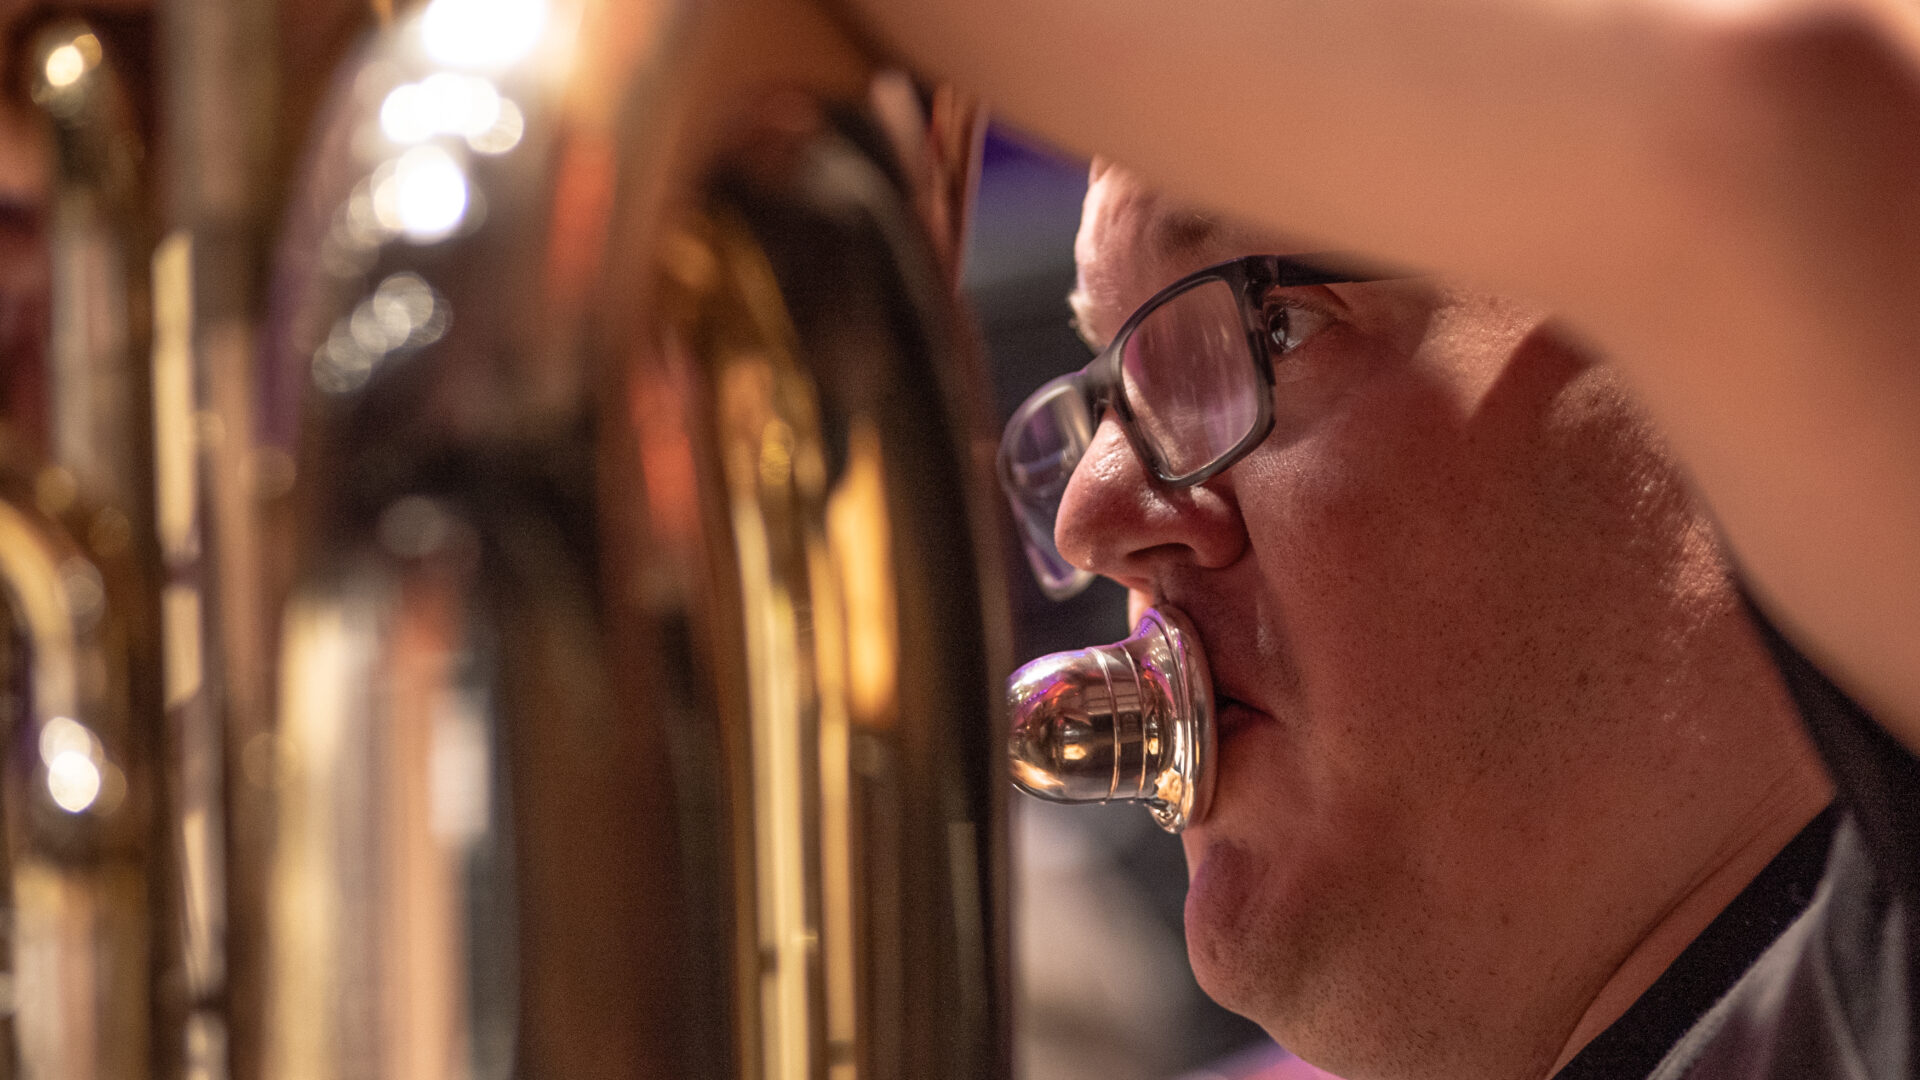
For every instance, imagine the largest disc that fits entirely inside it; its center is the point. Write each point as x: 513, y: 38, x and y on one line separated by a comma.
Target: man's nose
x: 1116, y: 520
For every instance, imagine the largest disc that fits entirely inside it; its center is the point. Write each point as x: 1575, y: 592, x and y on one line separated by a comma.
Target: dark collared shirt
x: 1700, y: 976
x: 1831, y: 995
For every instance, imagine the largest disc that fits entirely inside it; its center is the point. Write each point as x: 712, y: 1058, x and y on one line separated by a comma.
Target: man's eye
x: 1290, y: 325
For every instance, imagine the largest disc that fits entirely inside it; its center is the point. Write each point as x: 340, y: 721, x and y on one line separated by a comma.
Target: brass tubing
x: 625, y: 677
x: 86, y: 858
x: 221, y: 128
x: 805, y: 321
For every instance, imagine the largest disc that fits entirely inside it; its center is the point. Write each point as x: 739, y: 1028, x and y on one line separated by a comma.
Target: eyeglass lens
x: 1189, y: 381
x: 1046, y: 440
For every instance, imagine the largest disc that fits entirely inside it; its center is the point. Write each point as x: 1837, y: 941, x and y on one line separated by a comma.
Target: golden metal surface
x: 85, y: 874
x: 540, y: 633
x: 845, y: 879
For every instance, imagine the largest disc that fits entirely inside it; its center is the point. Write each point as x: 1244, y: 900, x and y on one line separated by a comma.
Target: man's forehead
x: 1133, y: 241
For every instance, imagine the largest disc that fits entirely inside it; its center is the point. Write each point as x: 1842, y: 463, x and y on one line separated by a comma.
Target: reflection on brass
x: 542, y: 631
x: 175, y: 482
x: 939, y: 148
x: 77, y: 876
x: 866, y: 900
x: 82, y: 876
x: 388, y: 822
x: 1127, y: 722
x: 797, y: 933
x: 858, y: 529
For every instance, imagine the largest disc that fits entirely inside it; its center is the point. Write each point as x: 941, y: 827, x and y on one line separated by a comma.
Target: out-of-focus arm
x: 1723, y: 194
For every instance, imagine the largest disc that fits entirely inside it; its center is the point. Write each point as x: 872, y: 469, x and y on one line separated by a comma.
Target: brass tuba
x: 85, y: 854
x: 517, y: 605
x: 607, y: 652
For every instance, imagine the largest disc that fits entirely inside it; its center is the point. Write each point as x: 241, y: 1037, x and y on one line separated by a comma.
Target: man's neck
x: 1794, y: 801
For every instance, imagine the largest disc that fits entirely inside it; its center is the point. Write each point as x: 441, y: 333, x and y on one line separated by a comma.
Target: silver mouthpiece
x: 1127, y: 722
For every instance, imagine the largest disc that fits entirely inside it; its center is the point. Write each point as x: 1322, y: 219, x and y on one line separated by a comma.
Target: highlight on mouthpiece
x: 1127, y: 722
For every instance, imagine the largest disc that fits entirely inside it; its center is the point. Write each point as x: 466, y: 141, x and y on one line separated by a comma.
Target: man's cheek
x: 1381, y: 543
x: 1371, y: 493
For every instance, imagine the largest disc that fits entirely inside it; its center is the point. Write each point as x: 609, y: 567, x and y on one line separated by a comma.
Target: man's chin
x: 1222, y: 938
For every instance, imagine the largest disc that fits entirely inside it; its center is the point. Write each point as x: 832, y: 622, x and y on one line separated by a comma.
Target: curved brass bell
x: 1127, y: 722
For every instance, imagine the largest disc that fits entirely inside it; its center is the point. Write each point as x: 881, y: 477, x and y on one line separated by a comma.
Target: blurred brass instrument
x: 514, y: 605
x: 79, y: 649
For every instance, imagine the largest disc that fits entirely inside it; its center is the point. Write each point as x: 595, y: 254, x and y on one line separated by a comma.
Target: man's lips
x: 1232, y: 715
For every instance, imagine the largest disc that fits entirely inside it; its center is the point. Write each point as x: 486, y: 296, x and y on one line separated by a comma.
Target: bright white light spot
x: 423, y: 194
x: 433, y: 329
x: 341, y: 365
x: 404, y: 304
x: 62, y: 735
x: 73, y: 780
x: 383, y: 199
x: 401, y: 117
x: 394, y: 321
x: 407, y: 294
x: 487, y: 34
x: 65, y: 65
x: 367, y: 332
x: 443, y: 103
x: 394, y: 315
x: 504, y: 134
x: 459, y: 779
x: 460, y: 104
x: 403, y: 311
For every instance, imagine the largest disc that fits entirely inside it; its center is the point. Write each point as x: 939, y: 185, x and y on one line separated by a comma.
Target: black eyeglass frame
x: 1101, y: 385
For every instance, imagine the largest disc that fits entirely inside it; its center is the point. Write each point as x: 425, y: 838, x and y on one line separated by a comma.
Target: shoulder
x: 1830, y: 1000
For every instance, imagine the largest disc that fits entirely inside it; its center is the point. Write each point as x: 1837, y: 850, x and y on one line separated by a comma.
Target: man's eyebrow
x: 1181, y: 231
x: 1179, y: 235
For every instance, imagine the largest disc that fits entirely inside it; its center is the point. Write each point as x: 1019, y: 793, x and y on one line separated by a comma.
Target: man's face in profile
x: 1436, y: 602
